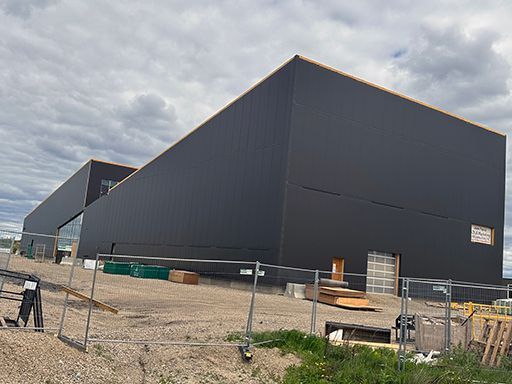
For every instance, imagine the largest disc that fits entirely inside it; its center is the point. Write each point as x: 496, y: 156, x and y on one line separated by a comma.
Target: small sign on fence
x: 249, y: 272
x: 439, y: 288
x: 30, y: 285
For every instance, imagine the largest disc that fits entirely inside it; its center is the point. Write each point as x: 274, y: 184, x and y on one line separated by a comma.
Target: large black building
x: 315, y: 168
x: 61, y: 212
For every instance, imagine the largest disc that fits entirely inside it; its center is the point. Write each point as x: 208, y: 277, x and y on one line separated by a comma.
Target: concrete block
x: 296, y: 291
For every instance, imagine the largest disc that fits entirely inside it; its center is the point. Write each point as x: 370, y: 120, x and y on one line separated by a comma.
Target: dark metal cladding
x: 310, y: 165
x: 215, y: 194
x: 107, y: 171
x: 69, y: 200
x: 62, y: 205
x: 370, y: 170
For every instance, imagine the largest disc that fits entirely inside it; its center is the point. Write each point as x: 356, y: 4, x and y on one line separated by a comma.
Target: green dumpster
x: 117, y: 268
x: 150, y: 272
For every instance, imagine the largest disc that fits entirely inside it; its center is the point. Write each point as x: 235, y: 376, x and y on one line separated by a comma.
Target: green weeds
x: 343, y: 364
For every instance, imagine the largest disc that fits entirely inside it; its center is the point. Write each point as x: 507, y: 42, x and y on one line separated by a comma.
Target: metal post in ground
x: 66, y: 296
x: 11, y: 250
x: 7, y: 263
x: 248, y: 330
x: 448, y: 320
x: 88, y: 324
x: 403, y: 324
x: 312, y: 330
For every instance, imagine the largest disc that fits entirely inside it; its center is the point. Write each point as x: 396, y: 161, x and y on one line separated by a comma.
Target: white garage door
x: 381, y: 275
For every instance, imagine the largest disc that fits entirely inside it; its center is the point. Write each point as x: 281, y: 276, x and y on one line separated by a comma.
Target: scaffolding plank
x: 95, y: 302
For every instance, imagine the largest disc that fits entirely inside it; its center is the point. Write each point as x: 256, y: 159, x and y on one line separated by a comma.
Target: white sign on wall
x: 481, y: 234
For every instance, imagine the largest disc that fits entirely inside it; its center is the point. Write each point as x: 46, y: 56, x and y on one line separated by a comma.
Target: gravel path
x: 159, y: 310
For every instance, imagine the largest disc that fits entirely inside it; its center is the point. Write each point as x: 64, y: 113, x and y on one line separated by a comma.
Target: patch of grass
x: 166, y: 380
x: 345, y: 364
x: 235, y: 337
x: 101, y: 351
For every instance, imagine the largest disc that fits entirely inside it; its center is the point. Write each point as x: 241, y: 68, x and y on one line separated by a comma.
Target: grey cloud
x: 23, y: 8
x: 121, y: 81
x: 147, y: 111
x: 454, y: 68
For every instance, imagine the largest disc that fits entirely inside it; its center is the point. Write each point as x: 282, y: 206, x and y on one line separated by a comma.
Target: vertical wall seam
x: 287, y: 161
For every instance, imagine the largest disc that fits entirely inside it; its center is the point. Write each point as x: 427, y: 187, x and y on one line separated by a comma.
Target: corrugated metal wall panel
x: 353, y: 146
x: 222, y: 186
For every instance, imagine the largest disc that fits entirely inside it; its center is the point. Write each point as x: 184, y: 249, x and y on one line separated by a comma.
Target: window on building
x: 68, y: 234
x: 106, y: 186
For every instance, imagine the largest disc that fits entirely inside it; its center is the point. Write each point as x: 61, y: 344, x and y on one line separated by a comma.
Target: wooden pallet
x: 497, y: 336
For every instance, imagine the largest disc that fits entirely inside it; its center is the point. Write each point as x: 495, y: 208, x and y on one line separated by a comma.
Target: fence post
x: 66, y: 296
x: 248, y: 330
x: 88, y: 324
x: 7, y: 263
x: 312, y: 331
x: 448, y: 321
x: 403, y: 323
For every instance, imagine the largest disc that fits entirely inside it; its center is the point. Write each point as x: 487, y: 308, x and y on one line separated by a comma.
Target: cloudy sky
x: 121, y: 80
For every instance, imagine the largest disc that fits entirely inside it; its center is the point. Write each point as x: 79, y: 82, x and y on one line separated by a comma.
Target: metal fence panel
x: 154, y: 310
x: 280, y: 300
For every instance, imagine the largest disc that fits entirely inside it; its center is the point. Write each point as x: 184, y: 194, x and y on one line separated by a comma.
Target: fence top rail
x: 477, y: 284
x: 492, y: 287
x: 423, y: 280
x: 458, y: 284
x: 103, y: 255
x: 289, y: 268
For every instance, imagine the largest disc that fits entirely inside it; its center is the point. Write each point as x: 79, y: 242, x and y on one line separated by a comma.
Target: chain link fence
x: 440, y: 316
x: 126, y: 299
x: 166, y: 301
x: 31, y: 296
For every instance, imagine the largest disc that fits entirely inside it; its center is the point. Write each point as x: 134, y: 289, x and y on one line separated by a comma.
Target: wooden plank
x: 338, y: 265
x: 333, y: 300
x: 496, y: 346
x: 360, y: 308
x: 95, y: 302
x: 397, y: 272
x: 370, y: 344
x: 334, y: 291
x: 342, y: 292
x: 505, y: 345
x: 352, y: 301
x: 490, y: 341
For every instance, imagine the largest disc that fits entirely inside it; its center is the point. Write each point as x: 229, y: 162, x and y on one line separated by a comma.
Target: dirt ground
x: 159, y: 311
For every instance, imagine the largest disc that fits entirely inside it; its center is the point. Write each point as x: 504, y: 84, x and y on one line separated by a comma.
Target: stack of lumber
x: 340, y: 297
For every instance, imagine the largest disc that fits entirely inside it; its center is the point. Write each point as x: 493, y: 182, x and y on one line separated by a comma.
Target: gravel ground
x: 159, y: 310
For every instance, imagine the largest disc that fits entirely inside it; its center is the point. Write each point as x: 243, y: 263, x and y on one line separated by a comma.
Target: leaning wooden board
x: 95, y: 302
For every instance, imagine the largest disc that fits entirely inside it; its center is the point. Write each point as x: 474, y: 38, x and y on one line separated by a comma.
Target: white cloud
x: 82, y: 79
